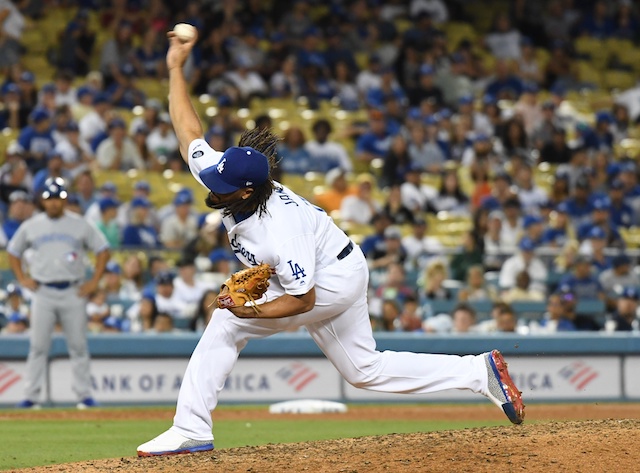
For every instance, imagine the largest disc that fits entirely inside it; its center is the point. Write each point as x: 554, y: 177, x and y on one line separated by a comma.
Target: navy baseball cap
x: 164, y: 277
x: 112, y: 267
x: 54, y: 154
x: 427, y: 70
x: 238, y: 167
x: 100, y: 97
x: 630, y: 292
x: 620, y: 260
x: 54, y: 188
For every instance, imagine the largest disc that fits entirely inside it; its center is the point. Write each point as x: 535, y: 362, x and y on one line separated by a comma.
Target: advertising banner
x: 539, y: 378
x: 252, y: 380
x: 12, y: 381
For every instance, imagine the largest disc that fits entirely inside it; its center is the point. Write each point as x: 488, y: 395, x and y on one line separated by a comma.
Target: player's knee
x: 362, y: 376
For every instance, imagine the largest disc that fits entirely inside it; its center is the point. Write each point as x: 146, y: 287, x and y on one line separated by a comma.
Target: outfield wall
x: 148, y: 369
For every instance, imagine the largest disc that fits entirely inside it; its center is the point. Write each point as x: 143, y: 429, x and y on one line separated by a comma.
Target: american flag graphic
x: 297, y: 375
x: 8, y: 377
x: 578, y: 374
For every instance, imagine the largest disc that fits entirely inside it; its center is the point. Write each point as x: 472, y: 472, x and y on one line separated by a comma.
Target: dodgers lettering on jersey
x: 295, y: 237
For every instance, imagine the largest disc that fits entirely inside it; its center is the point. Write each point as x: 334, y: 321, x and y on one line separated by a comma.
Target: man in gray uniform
x: 57, y: 240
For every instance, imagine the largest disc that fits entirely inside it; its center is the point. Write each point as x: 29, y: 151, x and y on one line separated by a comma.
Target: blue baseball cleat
x: 27, y: 404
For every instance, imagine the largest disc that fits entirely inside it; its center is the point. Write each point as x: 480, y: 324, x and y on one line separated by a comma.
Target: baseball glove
x: 245, y: 286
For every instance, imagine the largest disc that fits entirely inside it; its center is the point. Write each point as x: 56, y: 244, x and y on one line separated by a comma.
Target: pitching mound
x: 571, y: 446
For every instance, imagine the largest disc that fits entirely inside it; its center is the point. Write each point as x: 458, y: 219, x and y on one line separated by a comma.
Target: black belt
x: 345, y: 251
x: 59, y: 284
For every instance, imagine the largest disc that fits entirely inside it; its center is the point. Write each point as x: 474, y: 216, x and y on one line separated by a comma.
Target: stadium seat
x: 621, y: 80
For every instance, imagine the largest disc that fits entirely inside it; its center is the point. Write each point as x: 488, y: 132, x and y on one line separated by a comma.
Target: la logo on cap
x: 220, y: 166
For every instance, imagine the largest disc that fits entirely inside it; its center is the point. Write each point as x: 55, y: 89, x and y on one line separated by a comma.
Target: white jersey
x: 294, y: 237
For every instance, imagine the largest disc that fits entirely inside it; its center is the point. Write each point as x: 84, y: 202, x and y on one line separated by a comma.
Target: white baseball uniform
x: 307, y: 250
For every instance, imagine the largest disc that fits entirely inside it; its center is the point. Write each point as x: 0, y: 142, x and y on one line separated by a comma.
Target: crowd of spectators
x: 433, y: 107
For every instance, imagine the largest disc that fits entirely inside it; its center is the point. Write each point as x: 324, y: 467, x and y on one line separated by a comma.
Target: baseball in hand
x: 184, y: 32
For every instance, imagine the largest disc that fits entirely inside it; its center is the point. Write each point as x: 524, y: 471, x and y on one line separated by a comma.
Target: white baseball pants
x: 339, y: 324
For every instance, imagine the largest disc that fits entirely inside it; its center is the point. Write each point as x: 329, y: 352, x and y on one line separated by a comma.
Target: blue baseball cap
x: 112, y: 322
x: 10, y: 88
x: 531, y: 220
x: 17, y: 318
x: 27, y: 76
x: 140, y: 202
x: 84, y: 90
x: 117, y: 123
x: 630, y: 292
x: 49, y: 88
x: 238, y: 167
x: 597, y: 233
x: 617, y: 184
x: 108, y: 203
x: 414, y: 113
x: 601, y: 204
x: 142, y: 186
x: 427, y: 70
x: 183, y: 198
x: 53, y: 154
x: 527, y: 244
x: 563, y: 207
x: 39, y: 114
x: 112, y: 267
x: 100, y: 97
x: 220, y: 254
x: 430, y: 120
x: 108, y: 187
x: 465, y: 100
x: 72, y: 126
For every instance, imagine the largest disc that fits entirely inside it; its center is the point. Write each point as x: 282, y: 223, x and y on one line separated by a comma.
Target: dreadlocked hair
x: 265, y: 141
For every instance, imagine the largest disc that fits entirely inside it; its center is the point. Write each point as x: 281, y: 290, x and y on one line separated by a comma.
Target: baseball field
x: 595, y: 437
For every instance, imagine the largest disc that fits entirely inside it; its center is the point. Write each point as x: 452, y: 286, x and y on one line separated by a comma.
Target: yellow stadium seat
x: 587, y: 72
x: 594, y: 48
x: 621, y: 80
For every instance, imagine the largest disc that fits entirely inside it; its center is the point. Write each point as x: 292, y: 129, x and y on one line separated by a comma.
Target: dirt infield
x: 564, y: 438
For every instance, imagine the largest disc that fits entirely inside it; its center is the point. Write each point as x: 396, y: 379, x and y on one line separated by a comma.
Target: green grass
x: 26, y: 443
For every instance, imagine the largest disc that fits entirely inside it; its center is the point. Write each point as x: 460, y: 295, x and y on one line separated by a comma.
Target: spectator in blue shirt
x: 137, y: 233
x: 621, y: 212
x: 595, y: 244
x: 600, y: 217
x: 561, y: 231
x: 600, y: 137
x: 598, y: 23
x: 505, y: 85
x: 55, y: 168
x: 579, y: 205
x: 581, y: 282
x: 295, y: 159
x: 625, y: 315
x: 376, y: 142
x: 124, y: 93
x: 36, y: 139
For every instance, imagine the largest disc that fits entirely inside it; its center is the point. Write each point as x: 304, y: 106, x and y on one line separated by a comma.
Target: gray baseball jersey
x: 59, y: 246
